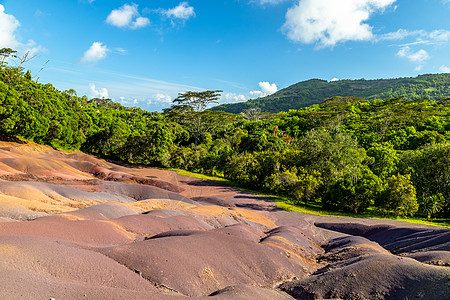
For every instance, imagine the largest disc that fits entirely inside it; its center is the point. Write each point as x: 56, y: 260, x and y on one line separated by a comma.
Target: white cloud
x: 420, y: 36
x: 40, y: 13
x: 444, y: 69
x: 440, y: 35
x: 232, y: 98
x: 160, y: 98
x: 8, y: 27
x: 182, y: 11
x: 140, y: 22
x: 129, y: 102
x: 400, y: 34
x: 334, y: 79
x: 266, y: 90
x: 328, y: 22
x: 256, y: 94
x: 95, y: 53
x: 157, y: 101
x: 120, y: 51
x: 101, y: 93
x: 32, y: 48
x: 127, y: 16
x: 417, y: 58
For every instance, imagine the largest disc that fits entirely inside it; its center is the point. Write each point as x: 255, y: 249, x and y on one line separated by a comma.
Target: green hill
x: 306, y: 93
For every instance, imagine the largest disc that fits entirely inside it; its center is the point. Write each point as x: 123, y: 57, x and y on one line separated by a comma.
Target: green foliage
x: 431, y: 171
x: 385, y: 163
x: 196, y: 101
x: 300, y: 184
x: 400, y: 195
x: 431, y: 205
x: 241, y: 168
x: 10, y: 108
x: 353, y: 192
x: 150, y: 145
x: 332, y: 154
x: 189, y: 111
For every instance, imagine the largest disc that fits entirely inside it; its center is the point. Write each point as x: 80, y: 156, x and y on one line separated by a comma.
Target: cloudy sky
x: 143, y: 53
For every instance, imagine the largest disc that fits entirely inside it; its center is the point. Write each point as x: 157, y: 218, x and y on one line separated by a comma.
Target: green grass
x: 371, y: 215
x: 287, y: 203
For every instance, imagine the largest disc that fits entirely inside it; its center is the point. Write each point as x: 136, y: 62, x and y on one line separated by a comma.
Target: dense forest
x: 307, y: 93
x: 344, y: 154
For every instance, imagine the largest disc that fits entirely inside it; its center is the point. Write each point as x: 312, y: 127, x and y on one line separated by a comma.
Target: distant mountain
x: 306, y: 93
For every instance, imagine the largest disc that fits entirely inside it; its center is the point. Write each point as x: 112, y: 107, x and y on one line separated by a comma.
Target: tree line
x: 345, y: 154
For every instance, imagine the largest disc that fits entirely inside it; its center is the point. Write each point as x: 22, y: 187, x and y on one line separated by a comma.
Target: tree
x: 400, y: 195
x: 252, y: 114
x: 332, y: 154
x: 431, y: 171
x: 353, y: 192
x: 5, y: 53
x: 189, y: 110
x: 298, y: 183
x: 150, y: 145
x: 385, y: 159
x: 196, y: 101
x: 431, y: 205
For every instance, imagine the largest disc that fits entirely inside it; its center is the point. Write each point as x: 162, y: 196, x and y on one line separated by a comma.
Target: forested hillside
x: 306, y: 93
x: 346, y: 154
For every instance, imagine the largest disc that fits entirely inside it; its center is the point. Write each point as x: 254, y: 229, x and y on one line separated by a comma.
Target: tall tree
x: 196, y: 101
x: 189, y: 110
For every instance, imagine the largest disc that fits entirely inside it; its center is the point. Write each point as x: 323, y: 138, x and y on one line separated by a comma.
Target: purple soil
x: 248, y: 292
x: 42, y: 268
x: 375, y: 276
x: 213, y: 201
x: 106, y: 174
x: 214, y: 221
x: 149, y: 225
x: 397, y: 240
x: 192, y: 264
x: 89, y: 232
x: 437, y: 258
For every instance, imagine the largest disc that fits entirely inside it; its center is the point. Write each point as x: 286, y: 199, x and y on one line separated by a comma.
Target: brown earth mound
x: 42, y: 268
x: 248, y: 292
x: 376, y: 276
x: 191, y: 263
x: 398, y: 240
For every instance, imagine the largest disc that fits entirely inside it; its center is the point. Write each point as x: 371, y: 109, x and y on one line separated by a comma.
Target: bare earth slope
x: 76, y: 227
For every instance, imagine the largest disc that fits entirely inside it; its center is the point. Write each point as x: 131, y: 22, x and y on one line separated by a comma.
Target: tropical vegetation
x: 345, y: 154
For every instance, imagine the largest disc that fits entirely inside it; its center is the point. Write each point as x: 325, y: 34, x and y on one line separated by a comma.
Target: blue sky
x: 143, y: 53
